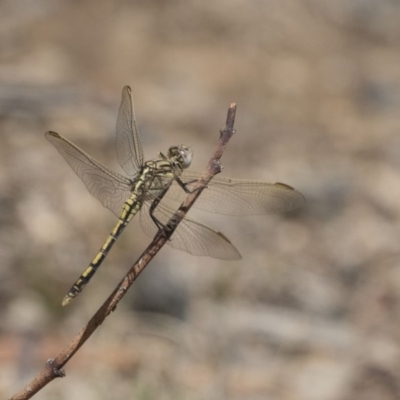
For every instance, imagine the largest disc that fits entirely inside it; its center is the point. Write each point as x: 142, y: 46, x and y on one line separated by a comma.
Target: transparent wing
x: 239, y: 197
x: 129, y: 147
x: 110, y: 188
x: 190, y: 236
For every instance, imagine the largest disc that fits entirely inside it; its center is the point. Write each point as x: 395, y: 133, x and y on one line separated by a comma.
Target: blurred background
x: 312, y: 311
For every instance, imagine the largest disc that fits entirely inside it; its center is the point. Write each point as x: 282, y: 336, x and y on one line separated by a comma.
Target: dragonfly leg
x: 184, y: 185
x: 153, y: 206
x: 161, y: 227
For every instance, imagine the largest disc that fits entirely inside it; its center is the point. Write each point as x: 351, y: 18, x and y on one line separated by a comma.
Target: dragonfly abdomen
x: 131, y: 207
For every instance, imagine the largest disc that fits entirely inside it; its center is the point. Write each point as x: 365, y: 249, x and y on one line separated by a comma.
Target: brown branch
x: 53, y: 368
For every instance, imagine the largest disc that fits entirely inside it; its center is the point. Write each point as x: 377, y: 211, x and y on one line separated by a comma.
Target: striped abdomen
x: 130, y: 209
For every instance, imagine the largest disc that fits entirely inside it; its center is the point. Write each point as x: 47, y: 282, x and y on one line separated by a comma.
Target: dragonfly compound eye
x: 187, y: 156
x: 183, y: 153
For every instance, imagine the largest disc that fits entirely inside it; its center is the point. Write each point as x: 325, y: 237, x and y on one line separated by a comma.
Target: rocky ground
x: 312, y: 310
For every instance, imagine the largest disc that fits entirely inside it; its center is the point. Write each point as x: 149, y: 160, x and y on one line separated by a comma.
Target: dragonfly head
x: 182, y: 153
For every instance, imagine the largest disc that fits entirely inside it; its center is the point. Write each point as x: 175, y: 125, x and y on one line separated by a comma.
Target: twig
x: 53, y: 368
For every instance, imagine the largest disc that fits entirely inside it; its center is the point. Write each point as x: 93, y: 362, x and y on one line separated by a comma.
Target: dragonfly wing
x: 110, y: 188
x: 239, y: 197
x: 190, y: 236
x: 129, y: 147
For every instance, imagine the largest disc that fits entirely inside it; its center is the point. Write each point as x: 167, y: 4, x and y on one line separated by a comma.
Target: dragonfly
x: 155, y: 188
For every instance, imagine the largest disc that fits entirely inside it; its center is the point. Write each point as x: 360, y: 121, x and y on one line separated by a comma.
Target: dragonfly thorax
x: 181, y: 154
